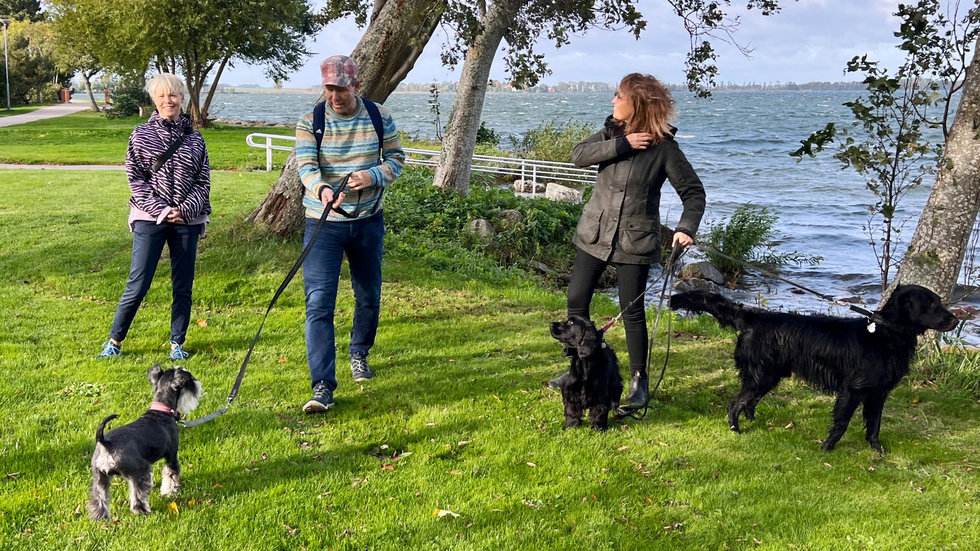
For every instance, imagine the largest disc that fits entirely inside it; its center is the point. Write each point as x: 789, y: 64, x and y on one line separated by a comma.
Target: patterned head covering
x: 338, y: 70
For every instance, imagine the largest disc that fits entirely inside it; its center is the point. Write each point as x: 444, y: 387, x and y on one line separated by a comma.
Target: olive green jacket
x: 621, y: 221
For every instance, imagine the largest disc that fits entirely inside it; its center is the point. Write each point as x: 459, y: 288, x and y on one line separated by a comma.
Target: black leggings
x: 632, y: 282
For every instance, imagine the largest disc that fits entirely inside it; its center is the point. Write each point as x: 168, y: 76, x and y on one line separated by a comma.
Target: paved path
x: 45, y: 113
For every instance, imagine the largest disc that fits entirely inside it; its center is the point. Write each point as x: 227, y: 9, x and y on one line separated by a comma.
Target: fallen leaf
x: 387, y: 467
x: 172, y: 508
x: 529, y: 464
x: 445, y: 512
x: 282, y: 360
x: 202, y: 323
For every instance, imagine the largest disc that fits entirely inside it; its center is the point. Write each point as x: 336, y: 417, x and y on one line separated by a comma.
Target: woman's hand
x: 682, y: 239
x: 639, y: 140
x: 174, y: 217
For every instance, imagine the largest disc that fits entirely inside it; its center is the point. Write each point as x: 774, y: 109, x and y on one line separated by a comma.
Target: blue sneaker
x: 109, y: 350
x: 359, y: 368
x: 177, y: 352
x: 322, y: 399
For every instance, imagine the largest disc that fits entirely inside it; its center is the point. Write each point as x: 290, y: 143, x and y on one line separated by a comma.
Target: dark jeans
x: 362, y: 240
x: 148, y: 241
x: 632, y: 282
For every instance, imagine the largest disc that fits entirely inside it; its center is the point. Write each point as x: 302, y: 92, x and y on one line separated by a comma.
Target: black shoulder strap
x: 167, y: 154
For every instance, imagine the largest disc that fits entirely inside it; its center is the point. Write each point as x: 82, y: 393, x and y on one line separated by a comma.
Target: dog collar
x: 164, y: 408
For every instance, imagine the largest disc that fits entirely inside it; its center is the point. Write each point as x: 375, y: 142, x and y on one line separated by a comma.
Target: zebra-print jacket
x: 184, y: 180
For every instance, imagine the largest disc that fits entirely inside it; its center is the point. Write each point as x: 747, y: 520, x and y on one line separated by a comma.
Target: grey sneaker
x: 359, y: 368
x: 321, y: 401
x: 109, y: 350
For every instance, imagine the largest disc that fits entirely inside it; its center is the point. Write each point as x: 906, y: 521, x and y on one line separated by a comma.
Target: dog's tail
x: 99, y: 432
x: 728, y: 313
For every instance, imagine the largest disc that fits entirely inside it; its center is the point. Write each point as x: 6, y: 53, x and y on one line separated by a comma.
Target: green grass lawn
x: 90, y: 138
x: 455, y: 444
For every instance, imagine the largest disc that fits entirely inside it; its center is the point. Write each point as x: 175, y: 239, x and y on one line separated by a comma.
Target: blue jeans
x: 362, y: 240
x: 148, y: 241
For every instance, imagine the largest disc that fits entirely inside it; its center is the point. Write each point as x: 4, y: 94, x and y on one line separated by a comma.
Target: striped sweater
x: 182, y: 183
x: 349, y: 144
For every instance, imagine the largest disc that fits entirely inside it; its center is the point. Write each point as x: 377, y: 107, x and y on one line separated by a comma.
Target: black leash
x: 633, y: 411
x: 873, y: 317
x: 282, y: 287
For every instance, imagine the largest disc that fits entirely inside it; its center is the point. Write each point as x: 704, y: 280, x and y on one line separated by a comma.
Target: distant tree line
x: 584, y: 86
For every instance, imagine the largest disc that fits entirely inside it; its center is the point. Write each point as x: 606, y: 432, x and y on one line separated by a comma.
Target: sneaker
x: 109, y: 350
x: 177, y: 352
x: 321, y: 401
x: 359, y: 368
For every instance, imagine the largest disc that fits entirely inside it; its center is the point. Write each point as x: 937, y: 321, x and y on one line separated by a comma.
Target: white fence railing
x: 531, y: 171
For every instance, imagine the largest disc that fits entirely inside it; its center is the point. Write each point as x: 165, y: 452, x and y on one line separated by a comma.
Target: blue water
x: 739, y: 143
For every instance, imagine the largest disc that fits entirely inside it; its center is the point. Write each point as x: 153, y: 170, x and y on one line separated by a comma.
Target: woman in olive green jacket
x: 620, y: 225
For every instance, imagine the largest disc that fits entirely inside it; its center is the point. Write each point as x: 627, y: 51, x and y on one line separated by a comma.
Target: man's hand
x: 359, y: 180
x: 328, y: 199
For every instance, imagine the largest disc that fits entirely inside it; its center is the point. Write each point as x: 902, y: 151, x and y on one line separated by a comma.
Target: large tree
x: 22, y: 9
x: 36, y: 72
x: 198, y: 38
x: 936, y: 251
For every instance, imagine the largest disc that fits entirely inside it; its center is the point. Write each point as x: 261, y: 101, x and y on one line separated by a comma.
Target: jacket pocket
x: 587, y: 230
x: 640, y: 235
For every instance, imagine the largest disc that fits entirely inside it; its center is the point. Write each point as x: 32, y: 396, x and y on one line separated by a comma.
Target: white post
x: 268, y: 154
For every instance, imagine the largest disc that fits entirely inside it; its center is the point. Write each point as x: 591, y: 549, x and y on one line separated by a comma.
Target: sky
x: 808, y: 40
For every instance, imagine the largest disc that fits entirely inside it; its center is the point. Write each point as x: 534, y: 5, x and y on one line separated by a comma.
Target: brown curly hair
x: 653, y: 106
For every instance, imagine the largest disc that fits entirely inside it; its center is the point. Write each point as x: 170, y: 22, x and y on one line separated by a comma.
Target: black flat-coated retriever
x: 860, y: 362
x: 593, y: 382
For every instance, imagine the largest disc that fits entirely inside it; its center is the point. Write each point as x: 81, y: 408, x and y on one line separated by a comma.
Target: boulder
x: 558, y: 192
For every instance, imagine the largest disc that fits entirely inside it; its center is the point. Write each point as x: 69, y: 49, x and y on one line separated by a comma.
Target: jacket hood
x: 183, y: 123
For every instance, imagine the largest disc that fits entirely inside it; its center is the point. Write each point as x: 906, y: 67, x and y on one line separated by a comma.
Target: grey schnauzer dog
x: 131, y: 450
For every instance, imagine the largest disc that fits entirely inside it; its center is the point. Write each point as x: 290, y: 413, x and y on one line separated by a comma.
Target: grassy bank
x: 456, y: 418
x: 90, y: 138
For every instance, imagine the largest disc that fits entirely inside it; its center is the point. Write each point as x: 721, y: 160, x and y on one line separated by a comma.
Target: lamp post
x: 6, y: 66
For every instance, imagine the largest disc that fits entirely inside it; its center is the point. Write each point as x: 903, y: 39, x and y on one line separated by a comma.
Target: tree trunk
x: 86, y: 78
x: 282, y: 212
x: 385, y: 54
x: 459, y: 143
x: 937, y: 248
x: 393, y: 42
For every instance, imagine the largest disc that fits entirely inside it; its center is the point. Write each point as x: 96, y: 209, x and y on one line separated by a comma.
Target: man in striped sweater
x: 354, y: 225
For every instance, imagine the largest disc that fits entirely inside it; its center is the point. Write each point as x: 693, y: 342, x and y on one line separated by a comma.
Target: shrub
x: 487, y: 136
x: 553, y: 141
x: 417, y: 210
x: 127, y: 99
x: 747, y: 239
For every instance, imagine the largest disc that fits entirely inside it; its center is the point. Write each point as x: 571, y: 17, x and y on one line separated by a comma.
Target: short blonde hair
x: 167, y: 83
x: 652, y: 105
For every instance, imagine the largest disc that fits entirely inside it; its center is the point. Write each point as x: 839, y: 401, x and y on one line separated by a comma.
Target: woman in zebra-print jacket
x: 170, y: 204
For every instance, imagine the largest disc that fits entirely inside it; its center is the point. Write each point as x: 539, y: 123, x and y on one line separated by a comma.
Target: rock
x: 528, y: 186
x: 558, y: 192
x: 510, y: 218
x: 482, y: 229
x: 701, y: 270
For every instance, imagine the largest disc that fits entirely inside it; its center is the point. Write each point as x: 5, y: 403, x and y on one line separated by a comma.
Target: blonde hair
x: 653, y: 106
x: 167, y: 83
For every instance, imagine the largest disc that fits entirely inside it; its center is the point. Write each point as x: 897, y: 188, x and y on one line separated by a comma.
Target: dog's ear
x: 588, y: 341
x: 154, y: 373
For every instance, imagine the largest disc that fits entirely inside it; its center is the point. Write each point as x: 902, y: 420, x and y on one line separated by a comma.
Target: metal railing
x: 531, y: 171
